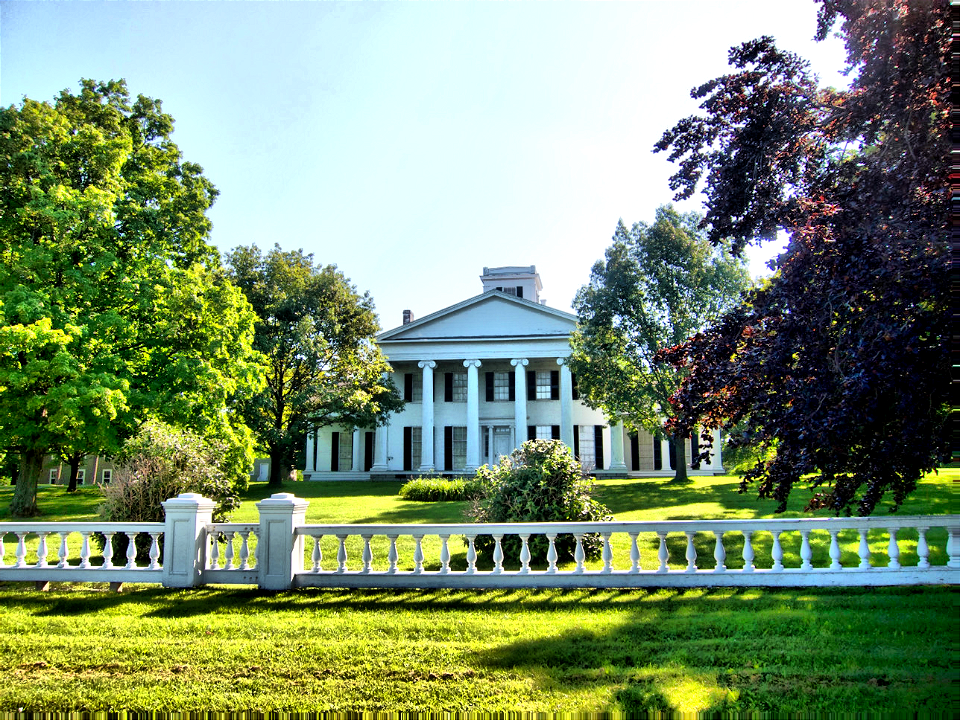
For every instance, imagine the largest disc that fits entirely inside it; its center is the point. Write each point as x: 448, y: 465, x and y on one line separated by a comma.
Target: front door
x: 502, y: 444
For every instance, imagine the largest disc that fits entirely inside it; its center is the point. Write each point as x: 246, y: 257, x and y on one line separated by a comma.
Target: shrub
x: 159, y: 463
x: 431, y: 489
x: 541, y: 481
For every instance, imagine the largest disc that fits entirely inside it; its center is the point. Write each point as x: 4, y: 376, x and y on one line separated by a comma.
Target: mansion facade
x: 479, y: 378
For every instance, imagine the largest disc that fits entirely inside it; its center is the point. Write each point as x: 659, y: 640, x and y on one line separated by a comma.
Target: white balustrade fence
x: 282, y: 552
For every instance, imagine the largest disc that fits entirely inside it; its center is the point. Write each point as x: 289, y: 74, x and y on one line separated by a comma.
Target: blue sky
x: 413, y: 143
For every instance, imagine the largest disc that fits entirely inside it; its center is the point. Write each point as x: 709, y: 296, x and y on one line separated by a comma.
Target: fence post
x: 279, y: 550
x: 185, y: 533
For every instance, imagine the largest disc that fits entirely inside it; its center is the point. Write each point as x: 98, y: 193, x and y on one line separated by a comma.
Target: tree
x: 113, y: 307
x: 659, y: 284
x: 838, y: 365
x: 317, y: 334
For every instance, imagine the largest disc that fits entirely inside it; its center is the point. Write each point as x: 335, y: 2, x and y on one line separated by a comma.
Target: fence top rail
x: 237, y: 527
x: 796, y: 524
x: 101, y: 527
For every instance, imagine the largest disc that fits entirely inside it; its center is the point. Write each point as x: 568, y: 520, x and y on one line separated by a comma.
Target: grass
x: 718, y: 651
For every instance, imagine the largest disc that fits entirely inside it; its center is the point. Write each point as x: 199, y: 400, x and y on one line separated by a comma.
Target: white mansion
x: 480, y: 377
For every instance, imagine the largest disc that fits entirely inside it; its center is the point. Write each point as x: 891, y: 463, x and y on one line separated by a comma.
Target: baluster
x: 834, y: 550
x: 923, y: 551
x: 367, y: 556
x: 579, y: 555
x: 747, y: 551
x: 691, y: 552
x: 214, y: 560
x: 393, y: 556
x: 228, y: 550
x: 863, y: 550
x: 777, y: 552
x: 107, y: 550
x: 417, y: 554
x: 551, y: 553
x: 471, y: 555
x: 894, y: 550
x: 607, y: 554
x: 953, y: 546
x: 255, y: 553
x: 525, y: 554
x: 155, y: 550
x: 719, y: 552
x: 64, y: 552
x: 42, y: 549
x: 244, y: 550
x: 342, y: 553
x: 444, y: 554
x: 316, y: 559
x: 131, y: 550
x: 21, y: 550
x: 634, y: 553
x: 85, y: 549
x: 497, y: 554
x: 662, y: 553
x: 805, y: 552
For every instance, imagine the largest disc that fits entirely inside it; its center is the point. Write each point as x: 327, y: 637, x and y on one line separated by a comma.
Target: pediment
x: 487, y: 316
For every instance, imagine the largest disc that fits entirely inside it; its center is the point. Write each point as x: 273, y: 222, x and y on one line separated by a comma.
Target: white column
x: 664, y: 453
x: 520, y: 401
x: 473, y: 414
x: 357, y: 450
x: 490, y: 460
x: 380, y: 450
x: 185, y: 534
x: 566, y: 404
x: 311, y: 464
x: 616, y: 447
x: 716, y: 456
x: 426, y: 418
x: 280, y: 549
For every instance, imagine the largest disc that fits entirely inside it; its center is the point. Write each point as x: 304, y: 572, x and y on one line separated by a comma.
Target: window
x: 543, y: 385
x: 544, y: 432
x: 587, y: 449
x: 345, y: 454
x: 413, y: 387
x: 458, y: 387
x: 501, y: 386
x: 54, y: 476
x: 459, y: 447
x: 106, y: 476
x: 412, y: 436
x: 81, y: 476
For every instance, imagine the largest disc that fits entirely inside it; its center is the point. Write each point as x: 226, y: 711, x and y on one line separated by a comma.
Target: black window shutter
x: 657, y: 453
x: 489, y: 387
x: 368, y: 441
x: 334, y: 451
x: 448, y: 387
x: 519, y: 291
x: 408, y: 387
x: 576, y: 388
x: 576, y: 441
x: 513, y: 386
x: 598, y: 445
x: 554, y: 384
x: 694, y: 451
x: 448, y: 447
x: 634, y: 452
x: 531, y: 385
x: 531, y: 432
x: 554, y: 432
x: 408, y: 448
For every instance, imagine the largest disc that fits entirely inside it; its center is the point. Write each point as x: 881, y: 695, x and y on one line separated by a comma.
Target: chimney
x: 407, y: 317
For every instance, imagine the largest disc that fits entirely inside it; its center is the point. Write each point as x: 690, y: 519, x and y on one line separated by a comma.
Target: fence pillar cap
x: 189, y: 500
x: 283, y: 500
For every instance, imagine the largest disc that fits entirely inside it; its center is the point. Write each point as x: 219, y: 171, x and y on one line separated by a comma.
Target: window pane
x: 346, y: 451
x: 501, y: 386
x: 588, y: 457
x: 459, y: 387
x: 459, y: 447
x: 416, y: 438
x: 544, y: 432
x: 416, y: 393
x: 543, y: 384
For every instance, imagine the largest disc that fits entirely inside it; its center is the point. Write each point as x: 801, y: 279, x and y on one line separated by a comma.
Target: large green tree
x: 658, y: 285
x: 113, y: 306
x: 838, y: 367
x: 317, y: 334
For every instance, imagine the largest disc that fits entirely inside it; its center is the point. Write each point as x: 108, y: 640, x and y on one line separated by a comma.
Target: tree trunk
x: 680, y: 455
x: 74, y: 462
x: 276, y: 466
x: 24, y: 502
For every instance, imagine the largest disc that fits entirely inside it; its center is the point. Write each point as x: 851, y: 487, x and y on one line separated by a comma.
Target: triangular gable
x: 491, y: 315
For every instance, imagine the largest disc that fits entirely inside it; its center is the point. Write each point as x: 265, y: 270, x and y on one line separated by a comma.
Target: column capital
x: 562, y: 361
x: 427, y: 364
x: 519, y: 362
x: 472, y: 363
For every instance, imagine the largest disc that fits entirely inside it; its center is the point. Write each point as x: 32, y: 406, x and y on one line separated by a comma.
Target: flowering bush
x: 431, y: 489
x: 541, y: 481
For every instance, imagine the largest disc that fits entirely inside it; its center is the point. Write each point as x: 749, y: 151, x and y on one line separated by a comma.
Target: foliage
x: 541, y: 481
x: 840, y: 361
x: 659, y: 284
x: 317, y: 334
x: 113, y: 307
x: 431, y: 489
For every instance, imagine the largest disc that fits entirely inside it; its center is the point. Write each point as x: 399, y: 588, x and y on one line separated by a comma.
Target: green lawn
x: 841, y: 651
